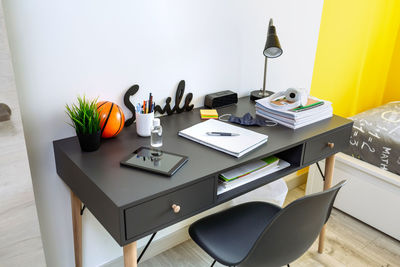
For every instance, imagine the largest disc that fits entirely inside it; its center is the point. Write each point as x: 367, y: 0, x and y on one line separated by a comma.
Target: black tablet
x: 155, y: 160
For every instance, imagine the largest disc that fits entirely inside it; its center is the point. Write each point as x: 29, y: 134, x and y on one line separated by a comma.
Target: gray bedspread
x: 376, y: 137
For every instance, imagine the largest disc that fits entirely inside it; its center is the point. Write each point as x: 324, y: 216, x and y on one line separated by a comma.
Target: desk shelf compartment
x: 228, y: 195
x: 292, y: 156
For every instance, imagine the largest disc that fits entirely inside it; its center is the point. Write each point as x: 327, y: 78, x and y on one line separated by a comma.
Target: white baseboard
x: 175, y: 237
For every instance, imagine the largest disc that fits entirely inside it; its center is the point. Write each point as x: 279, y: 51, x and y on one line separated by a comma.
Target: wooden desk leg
x: 77, y: 228
x: 329, y: 165
x: 130, y: 255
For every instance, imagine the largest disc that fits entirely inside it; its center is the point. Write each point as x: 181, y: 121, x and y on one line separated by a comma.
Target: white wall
x: 64, y: 48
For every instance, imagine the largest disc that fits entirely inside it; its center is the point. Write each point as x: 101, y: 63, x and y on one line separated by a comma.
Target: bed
x: 371, y: 164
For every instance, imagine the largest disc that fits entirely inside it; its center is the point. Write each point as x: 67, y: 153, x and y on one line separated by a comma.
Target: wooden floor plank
x: 385, y: 249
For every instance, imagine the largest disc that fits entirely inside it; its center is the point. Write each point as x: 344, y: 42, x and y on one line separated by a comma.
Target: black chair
x: 262, y: 234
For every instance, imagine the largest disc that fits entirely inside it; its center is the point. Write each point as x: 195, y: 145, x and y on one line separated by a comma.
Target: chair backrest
x: 293, y: 230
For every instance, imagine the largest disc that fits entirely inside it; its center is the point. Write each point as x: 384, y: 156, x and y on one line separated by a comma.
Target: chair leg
x: 288, y: 265
x: 213, y: 263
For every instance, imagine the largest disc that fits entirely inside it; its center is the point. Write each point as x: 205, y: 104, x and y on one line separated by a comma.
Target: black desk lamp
x: 272, y: 50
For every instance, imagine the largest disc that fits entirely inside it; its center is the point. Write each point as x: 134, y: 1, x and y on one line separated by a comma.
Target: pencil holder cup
x: 144, y: 122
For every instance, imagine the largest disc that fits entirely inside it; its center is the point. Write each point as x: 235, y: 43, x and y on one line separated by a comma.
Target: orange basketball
x: 112, y: 119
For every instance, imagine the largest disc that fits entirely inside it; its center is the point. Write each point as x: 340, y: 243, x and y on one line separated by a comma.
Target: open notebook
x: 233, y: 145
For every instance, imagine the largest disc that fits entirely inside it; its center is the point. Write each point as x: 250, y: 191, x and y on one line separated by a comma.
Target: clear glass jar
x: 156, y: 133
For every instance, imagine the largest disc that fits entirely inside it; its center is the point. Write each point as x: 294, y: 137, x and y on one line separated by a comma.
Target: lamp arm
x: 265, y: 76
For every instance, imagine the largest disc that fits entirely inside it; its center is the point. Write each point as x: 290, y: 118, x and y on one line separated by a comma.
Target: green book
x: 248, y: 168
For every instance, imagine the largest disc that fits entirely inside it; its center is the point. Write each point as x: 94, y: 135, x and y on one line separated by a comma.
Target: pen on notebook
x: 222, y: 134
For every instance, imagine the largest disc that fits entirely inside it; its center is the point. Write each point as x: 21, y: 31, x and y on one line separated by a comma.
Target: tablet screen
x: 155, y: 160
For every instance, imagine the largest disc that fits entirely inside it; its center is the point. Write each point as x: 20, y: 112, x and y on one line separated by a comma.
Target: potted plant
x: 86, y: 121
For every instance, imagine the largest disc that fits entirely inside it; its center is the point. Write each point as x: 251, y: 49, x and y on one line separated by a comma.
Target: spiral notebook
x: 237, y: 146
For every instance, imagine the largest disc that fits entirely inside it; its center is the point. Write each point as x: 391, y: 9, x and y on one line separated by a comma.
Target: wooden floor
x: 349, y: 243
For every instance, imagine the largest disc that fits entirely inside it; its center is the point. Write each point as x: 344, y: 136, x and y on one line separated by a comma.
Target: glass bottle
x: 156, y: 134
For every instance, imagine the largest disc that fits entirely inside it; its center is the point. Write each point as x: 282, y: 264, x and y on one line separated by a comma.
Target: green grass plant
x: 84, y: 116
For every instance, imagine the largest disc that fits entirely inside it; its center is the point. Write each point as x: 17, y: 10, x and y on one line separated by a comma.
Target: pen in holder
x: 144, y: 122
x: 145, y: 117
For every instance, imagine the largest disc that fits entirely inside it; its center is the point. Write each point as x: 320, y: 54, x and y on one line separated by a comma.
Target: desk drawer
x: 321, y: 146
x: 158, y: 212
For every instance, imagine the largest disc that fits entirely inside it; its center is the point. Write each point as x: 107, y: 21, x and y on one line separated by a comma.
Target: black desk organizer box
x: 220, y: 99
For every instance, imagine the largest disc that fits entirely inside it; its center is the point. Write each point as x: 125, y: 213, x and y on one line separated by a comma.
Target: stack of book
x: 249, y: 172
x: 315, y: 110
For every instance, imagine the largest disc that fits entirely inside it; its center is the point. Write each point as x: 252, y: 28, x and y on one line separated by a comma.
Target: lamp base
x: 258, y: 94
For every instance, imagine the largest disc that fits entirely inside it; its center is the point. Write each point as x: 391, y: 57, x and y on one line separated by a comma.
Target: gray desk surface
x: 127, y: 186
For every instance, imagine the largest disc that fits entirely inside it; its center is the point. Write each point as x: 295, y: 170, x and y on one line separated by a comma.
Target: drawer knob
x: 176, y: 208
x: 331, y: 145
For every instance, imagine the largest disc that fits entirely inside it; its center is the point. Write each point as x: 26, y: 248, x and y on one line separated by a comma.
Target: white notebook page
x: 234, y: 145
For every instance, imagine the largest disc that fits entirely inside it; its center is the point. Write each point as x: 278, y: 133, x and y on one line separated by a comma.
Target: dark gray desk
x: 131, y: 204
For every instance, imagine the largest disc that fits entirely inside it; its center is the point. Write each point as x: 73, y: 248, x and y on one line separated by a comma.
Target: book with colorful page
x: 248, y: 168
x: 315, y: 110
x: 260, y: 173
x: 311, y: 103
x: 314, y: 107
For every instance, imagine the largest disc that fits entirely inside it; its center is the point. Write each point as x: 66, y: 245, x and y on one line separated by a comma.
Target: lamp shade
x: 272, y: 46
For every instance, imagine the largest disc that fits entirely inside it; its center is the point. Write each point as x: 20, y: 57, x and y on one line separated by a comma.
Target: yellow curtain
x: 392, y: 90
x: 357, y: 64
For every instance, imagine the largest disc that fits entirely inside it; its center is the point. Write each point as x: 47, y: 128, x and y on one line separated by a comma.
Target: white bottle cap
x: 156, y: 122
